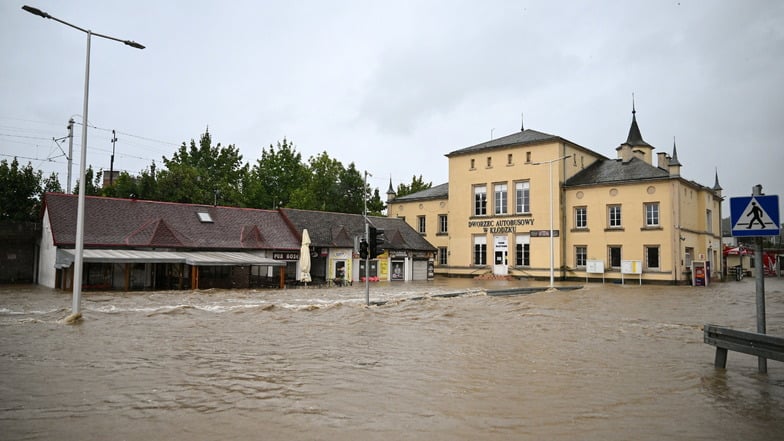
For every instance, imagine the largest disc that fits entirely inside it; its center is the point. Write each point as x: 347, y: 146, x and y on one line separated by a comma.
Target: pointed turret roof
x: 635, y: 137
x: 716, y: 186
x: 674, y: 158
x: 390, y: 190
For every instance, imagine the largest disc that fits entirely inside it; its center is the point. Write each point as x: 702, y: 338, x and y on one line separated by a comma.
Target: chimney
x: 625, y: 153
x: 663, y: 160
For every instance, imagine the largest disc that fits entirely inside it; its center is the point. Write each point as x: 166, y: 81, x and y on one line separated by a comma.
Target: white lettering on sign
x: 280, y: 255
x: 501, y: 225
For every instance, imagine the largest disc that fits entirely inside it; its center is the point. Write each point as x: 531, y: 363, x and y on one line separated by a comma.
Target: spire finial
x: 716, y: 186
x: 635, y: 137
x: 522, y: 122
x: 674, y: 158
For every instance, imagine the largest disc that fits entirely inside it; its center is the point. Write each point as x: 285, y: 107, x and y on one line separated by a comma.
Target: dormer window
x: 204, y: 217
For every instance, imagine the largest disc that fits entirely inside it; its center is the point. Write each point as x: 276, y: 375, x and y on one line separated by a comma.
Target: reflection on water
x: 602, y: 362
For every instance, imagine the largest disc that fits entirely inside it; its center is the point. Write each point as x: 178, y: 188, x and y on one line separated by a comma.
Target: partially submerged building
x: 634, y: 214
x: 132, y: 244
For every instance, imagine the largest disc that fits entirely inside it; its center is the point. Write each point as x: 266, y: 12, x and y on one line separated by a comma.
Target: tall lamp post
x: 552, y: 262
x: 78, y: 259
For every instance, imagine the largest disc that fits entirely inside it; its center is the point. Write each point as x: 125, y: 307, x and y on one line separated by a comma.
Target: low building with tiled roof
x: 334, y: 237
x: 136, y: 244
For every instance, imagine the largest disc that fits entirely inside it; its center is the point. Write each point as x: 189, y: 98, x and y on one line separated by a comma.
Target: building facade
x: 134, y: 244
x: 530, y: 203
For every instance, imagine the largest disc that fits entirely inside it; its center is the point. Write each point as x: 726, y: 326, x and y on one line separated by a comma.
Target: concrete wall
x: 47, y: 255
x: 18, y: 251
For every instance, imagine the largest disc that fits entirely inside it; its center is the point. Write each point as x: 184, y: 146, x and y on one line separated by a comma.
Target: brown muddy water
x: 606, y: 362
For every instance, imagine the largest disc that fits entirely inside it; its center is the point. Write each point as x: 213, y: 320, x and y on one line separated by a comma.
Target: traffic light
x: 375, y: 241
x: 363, y: 249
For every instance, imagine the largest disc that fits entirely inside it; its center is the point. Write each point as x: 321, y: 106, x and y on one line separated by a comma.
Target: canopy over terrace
x: 175, y: 274
x: 65, y: 257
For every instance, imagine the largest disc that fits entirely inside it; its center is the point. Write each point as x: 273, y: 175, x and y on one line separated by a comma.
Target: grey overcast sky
x: 395, y: 85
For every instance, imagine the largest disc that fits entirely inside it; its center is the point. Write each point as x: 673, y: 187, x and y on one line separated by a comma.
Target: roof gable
x: 114, y: 222
x: 155, y: 233
x: 325, y: 228
x: 437, y: 192
x: 519, y: 138
x: 615, y: 170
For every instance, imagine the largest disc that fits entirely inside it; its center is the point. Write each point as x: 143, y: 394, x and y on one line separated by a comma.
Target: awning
x: 65, y: 257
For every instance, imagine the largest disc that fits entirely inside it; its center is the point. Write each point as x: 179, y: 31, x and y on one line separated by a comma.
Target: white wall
x: 47, y: 255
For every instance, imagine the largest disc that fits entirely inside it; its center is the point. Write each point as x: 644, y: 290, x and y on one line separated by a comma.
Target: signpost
x: 631, y: 267
x: 756, y: 216
x: 594, y: 267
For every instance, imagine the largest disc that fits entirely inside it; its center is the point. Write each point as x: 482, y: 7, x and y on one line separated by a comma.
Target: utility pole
x: 367, y: 240
x: 70, y: 154
x: 111, y: 162
x: 762, y: 362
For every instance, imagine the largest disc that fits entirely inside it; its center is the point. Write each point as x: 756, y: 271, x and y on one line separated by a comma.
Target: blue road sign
x: 755, y: 216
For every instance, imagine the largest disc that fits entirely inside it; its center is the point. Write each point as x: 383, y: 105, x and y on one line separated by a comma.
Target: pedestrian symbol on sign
x: 755, y: 216
x: 755, y: 212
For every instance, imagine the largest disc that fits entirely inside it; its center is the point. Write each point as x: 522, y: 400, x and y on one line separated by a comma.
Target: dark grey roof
x: 337, y: 230
x: 132, y: 223
x: 635, y: 137
x: 437, y: 192
x: 524, y: 137
x: 614, y: 170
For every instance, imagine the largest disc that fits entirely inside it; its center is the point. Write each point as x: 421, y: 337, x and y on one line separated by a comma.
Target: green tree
x: 51, y: 184
x: 417, y: 184
x: 203, y: 174
x: 320, y: 191
x: 21, y: 191
x: 122, y: 187
x: 275, y: 177
x: 352, y: 190
x: 375, y: 205
x: 92, y: 182
x: 147, y: 184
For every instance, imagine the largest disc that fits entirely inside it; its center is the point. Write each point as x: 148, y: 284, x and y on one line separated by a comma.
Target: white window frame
x: 580, y: 251
x: 522, y: 197
x: 480, y: 200
x: 614, y: 218
x: 443, y: 224
x: 652, y: 214
x: 583, y: 218
x: 501, y: 198
x: 523, y: 250
x: 479, y: 250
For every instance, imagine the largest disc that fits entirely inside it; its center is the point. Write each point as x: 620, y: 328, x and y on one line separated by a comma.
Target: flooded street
x: 605, y: 362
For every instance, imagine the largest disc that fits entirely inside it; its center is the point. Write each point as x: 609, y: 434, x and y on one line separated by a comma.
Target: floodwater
x: 605, y: 362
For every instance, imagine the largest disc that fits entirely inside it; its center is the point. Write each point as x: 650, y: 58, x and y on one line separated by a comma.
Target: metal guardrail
x: 752, y: 343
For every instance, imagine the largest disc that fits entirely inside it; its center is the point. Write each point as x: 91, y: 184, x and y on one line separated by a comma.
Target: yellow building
x: 626, y: 217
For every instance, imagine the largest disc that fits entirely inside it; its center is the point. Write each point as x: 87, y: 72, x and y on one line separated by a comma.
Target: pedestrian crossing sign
x: 755, y: 216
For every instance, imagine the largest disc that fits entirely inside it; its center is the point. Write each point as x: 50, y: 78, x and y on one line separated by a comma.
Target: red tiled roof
x: 112, y: 222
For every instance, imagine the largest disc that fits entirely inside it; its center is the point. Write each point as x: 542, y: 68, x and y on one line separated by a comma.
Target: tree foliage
x: 320, y: 191
x: 417, y: 184
x: 93, y: 182
x: 20, y: 197
x: 203, y: 174
x: 375, y: 205
x: 275, y: 177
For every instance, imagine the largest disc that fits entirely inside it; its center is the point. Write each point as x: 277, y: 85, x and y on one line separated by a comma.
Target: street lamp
x: 77, y: 278
x: 552, y: 263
